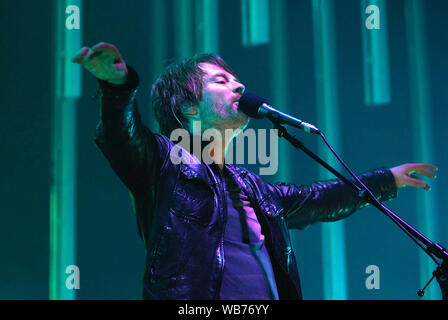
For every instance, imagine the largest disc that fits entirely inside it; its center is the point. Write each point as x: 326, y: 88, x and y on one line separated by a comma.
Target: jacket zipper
x: 252, y: 184
x: 224, y: 217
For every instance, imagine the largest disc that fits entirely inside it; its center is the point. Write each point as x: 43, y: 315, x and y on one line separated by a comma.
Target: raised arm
x: 334, y: 200
x: 331, y: 200
x: 133, y: 151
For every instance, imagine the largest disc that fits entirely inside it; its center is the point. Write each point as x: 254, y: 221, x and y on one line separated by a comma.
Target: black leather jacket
x: 181, y: 208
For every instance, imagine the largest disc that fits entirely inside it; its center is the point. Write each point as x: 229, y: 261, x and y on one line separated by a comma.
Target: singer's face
x: 219, y: 105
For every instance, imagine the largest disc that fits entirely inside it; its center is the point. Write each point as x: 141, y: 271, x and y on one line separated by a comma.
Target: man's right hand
x: 104, y: 62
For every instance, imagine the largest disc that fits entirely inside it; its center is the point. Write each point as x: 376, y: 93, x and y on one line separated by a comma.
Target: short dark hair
x: 180, y: 82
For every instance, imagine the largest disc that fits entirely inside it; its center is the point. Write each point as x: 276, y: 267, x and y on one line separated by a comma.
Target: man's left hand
x: 406, y: 175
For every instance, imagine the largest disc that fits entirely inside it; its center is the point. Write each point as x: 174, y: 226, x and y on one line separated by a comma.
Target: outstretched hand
x: 406, y: 174
x: 103, y: 61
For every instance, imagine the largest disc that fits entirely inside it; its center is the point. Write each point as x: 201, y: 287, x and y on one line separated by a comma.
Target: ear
x: 190, y: 111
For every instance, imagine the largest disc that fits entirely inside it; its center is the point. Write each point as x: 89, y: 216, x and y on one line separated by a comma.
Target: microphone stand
x: 434, y: 251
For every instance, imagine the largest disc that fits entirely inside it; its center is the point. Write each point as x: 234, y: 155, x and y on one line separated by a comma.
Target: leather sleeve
x: 332, y: 200
x: 133, y: 151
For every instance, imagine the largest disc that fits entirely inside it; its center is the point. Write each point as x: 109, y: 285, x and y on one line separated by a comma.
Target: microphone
x: 258, y: 108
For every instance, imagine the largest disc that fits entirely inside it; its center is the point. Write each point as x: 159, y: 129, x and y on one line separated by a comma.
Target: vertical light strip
x: 183, y: 28
x: 278, y: 61
x: 422, y: 133
x: 67, y: 89
x: 255, y: 22
x: 279, y: 84
x: 158, y: 45
x: 207, y: 26
x: 159, y: 36
x: 333, y: 234
x: 375, y: 50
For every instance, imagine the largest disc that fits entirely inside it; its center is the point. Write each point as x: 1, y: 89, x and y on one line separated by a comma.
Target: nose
x: 239, y: 88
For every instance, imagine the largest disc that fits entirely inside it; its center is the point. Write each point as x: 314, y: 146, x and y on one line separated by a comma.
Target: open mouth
x: 236, y: 102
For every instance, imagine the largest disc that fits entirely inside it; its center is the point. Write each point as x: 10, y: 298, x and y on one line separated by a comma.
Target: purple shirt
x: 248, y: 271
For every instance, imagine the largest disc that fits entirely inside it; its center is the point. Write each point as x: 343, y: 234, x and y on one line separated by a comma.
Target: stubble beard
x: 234, y: 119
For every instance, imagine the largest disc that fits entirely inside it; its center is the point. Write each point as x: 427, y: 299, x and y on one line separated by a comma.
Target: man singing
x: 211, y: 230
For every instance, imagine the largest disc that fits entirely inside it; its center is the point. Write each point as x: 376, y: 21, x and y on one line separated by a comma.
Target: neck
x: 215, y: 146
x: 215, y: 140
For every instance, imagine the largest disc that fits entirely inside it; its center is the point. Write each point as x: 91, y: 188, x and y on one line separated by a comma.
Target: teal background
x: 110, y: 254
